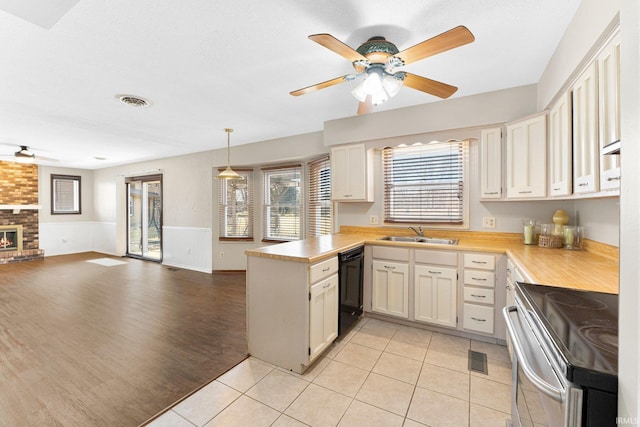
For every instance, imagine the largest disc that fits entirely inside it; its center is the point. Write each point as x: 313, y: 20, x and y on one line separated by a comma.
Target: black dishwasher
x: 350, y: 273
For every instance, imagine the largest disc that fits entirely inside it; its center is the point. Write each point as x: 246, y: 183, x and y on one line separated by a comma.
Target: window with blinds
x: 319, y: 190
x: 424, y: 183
x: 282, y: 203
x: 65, y: 194
x: 235, y: 206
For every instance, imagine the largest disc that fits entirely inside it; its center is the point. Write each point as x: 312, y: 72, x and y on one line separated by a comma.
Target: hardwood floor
x: 82, y: 344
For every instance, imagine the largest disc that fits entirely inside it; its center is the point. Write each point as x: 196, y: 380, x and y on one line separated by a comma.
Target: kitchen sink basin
x: 420, y: 239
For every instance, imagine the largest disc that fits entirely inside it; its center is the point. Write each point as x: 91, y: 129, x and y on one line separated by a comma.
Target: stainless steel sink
x: 420, y: 239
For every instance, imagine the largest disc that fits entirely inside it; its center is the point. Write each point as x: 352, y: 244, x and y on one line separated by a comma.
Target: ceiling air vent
x: 134, y: 101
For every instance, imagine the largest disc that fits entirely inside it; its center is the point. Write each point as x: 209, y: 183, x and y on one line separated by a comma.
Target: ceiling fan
x: 376, y: 60
x: 24, y: 154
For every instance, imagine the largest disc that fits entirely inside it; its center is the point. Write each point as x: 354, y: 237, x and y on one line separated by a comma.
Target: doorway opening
x: 144, y: 217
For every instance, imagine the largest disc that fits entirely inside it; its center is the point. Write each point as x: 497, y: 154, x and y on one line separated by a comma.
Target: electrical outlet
x: 488, y: 222
x: 221, y: 254
x: 373, y: 219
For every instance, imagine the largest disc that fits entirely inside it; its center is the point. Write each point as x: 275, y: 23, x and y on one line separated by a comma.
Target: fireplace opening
x: 11, y: 238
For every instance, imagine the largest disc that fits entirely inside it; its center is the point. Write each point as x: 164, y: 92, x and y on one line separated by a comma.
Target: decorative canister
x: 529, y: 231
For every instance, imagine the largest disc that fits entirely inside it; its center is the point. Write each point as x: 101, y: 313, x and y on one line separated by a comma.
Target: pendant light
x: 228, y: 173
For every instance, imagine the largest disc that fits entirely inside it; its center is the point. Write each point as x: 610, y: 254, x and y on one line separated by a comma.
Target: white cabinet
x: 351, y: 174
x: 323, y: 315
x: 586, y: 161
x: 435, y: 295
x: 527, y: 157
x: 609, y: 111
x: 390, y: 288
x: 292, y: 310
x: 491, y: 163
x: 560, y: 147
x: 479, y: 293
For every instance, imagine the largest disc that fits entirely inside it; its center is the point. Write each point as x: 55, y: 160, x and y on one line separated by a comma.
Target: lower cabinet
x: 479, y: 293
x: 390, y: 288
x: 435, y: 295
x: 323, y: 315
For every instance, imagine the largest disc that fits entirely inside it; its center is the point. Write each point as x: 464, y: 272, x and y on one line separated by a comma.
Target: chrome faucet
x: 418, y: 231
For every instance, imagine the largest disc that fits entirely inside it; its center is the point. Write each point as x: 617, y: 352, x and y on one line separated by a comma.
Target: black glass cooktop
x: 583, y: 327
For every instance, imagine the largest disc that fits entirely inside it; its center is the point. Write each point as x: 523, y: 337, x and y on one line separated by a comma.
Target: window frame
x: 463, y: 161
x: 267, y: 205
x: 223, y: 205
x: 76, y: 182
x: 319, y: 197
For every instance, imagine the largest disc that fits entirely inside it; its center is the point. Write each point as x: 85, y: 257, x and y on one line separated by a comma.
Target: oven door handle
x: 554, y: 393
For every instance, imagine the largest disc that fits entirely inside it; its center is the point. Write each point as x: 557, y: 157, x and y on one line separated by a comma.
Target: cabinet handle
x: 479, y: 279
x: 478, y: 320
x: 478, y: 296
x: 435, y: 272
x: 479, y: 262
x: 389, y: 267
x: 508, y: 270
x: 584, y: 184
x: 613, y: 178
x: 326, y: 286
x: 491, y: 192
x: 525, y: 192
x: 348, y: 195
x: 556, y: 189
x: 326, y: 269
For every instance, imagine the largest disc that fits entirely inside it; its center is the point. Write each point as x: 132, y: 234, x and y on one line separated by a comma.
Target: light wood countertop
x: 596, y: 269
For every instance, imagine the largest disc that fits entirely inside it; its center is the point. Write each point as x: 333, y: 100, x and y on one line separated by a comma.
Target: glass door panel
x: 144, y: 227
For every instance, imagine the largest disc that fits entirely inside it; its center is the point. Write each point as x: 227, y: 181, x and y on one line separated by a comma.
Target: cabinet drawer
x: 323, y: 269
x: 386, y: 252
x: 437, y: 257
x: 478, y: 318
x: 480, y: 278
x: 483, y: 261
x: 482, y: 296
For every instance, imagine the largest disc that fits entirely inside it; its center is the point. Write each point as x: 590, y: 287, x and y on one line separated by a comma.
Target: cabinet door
x: 350, y: 174
x: 609, y: 111
x: 390, y: 288
x: 323, y: 315
x: 435, y: 295
x: 491, y: 163
x: 527, y: 158
x: 586, y: 162
x: 560, y: 144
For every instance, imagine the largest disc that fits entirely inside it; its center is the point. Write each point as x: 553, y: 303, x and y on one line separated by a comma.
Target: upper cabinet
x: 491, y: 163
x: 586, y: 153
x: 560, y: 171
x: 527, y: 158
x: 609, y: 111
x: 351, y: 174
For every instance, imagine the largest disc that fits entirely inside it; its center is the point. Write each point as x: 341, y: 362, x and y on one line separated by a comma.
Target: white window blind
x: 319, y: 189
x: 424, y: 183
x: 282, y: 203
x: 65, y: 194
x: 235, y: 207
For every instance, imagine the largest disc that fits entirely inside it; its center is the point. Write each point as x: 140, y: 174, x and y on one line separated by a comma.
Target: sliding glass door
x: 144, y: 217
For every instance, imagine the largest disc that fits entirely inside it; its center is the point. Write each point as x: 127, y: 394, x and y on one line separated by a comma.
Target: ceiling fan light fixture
x: 392, y: 84
x: 228, y: 173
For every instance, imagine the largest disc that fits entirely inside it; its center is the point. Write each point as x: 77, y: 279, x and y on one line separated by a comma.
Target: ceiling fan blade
x: 432, y: 87
x: 319, y: 86
x: 453, y: 38
x: 366, y: 106
x: 332, y: 43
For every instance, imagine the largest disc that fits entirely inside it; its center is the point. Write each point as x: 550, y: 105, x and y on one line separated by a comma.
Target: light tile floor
x: 379, y: 374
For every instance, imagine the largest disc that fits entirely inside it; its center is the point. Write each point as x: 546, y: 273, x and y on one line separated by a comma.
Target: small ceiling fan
x: 24, y: 154
x: 377, y: 58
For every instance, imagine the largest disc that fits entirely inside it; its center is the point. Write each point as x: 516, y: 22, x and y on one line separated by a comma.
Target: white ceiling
x: 206, y: 65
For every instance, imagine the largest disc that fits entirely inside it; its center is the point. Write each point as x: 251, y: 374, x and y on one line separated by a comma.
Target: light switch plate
x: 488, y: 222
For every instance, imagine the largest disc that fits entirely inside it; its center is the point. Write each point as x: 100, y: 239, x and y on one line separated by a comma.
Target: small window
x: 235, y: 201
x: 65, y: 194
x: 282, y: 203
x: 425, y: 183
x: 319, y: 189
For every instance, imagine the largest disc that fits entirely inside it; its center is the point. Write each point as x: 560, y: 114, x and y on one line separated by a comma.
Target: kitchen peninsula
x: 290, y: 327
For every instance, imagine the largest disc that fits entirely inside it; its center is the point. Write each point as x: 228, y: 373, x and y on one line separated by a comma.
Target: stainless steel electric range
x: 565, y: 356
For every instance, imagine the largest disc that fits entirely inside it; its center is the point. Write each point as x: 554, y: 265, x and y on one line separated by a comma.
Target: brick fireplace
x: 19, y: 206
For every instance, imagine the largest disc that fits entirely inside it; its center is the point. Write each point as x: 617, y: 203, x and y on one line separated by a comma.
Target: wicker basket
x: 550, y: 241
